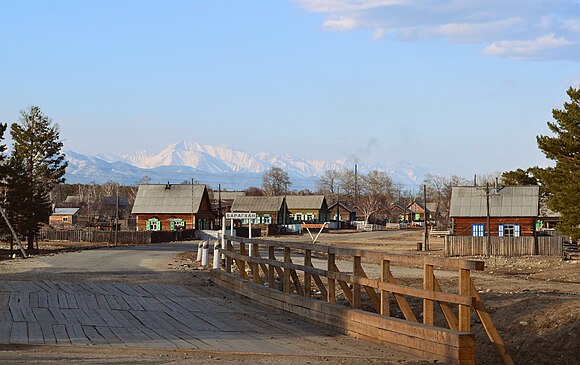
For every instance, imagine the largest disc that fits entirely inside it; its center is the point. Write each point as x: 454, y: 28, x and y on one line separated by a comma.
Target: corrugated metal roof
x: 305, y: 201
x: 65, y: 211
x: 510, y: 201
x: 257, y: 204
x: 168, y: 199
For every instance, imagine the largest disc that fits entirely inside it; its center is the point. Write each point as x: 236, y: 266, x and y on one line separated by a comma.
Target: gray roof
x: 305, y: 201
x: 257, y: 204
x: 65, y: 211
x: 226, y: 195
x: 510, y: 201
x: 168, y: 199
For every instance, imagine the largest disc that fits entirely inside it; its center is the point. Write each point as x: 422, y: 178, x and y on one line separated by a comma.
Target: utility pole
x: 426, y: 239
x: 338, y: 207
x: 117, y: 216
x: 488, y: 221
x: 355, y: 184
x: 220, y: 203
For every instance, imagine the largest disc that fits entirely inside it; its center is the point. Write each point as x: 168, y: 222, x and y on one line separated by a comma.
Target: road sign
x: 240, y: 215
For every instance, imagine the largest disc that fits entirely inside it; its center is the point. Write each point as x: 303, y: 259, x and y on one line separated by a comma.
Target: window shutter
x: 500, y: 228
x: 147, y: 225
x: 516, y: 230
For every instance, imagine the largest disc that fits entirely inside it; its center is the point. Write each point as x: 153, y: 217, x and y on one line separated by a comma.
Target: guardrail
x: 291, y: 278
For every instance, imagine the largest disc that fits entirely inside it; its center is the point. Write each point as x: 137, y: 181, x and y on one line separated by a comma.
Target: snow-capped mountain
x: 213, y: 165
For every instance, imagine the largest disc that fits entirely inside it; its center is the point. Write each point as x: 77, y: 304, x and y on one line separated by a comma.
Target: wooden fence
x: 122, y: 237
x: 503, y: 246
x: 305, y: 279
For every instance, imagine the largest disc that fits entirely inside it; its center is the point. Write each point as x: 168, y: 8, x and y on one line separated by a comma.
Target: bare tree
x: 439, y: 192
x: 369, y: 205
x: 327, y: 184
x: 275, y: 182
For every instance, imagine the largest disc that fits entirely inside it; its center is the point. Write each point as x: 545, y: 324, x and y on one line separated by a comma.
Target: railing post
x: 356, y: 270
x: 428, y: 284
x: 255, y: 266
x: 464, y: 310
x: 307, y: 280
x: 287, y: 259
x: 331, y: 295
x: 271, y: 256
x: 242, y: 263
x: 386, y: 268
x: 229, y: 260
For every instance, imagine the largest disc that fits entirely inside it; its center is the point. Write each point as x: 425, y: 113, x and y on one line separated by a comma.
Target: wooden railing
x: 306, y: 279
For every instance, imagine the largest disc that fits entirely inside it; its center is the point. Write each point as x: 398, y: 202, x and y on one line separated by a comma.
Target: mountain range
x: 213, y: 165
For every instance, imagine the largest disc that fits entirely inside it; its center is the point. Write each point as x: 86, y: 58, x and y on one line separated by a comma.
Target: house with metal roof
x: 342, y: 212
x: 268, y: 209
x: 308, y: 208
x: 168, y: 207
x: 513, y: 210
x: 64, y: 217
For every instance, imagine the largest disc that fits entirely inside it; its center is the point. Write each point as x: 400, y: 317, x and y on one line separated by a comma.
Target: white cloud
x: 340, y: 23
x: 378, y: 33
x: 462, y: 32
x: 526, y: 49
x: 334, y: 6
x: 572, y: 25
x: 503, y: 28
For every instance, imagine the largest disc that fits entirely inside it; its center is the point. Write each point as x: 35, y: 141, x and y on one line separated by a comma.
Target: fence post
x: 464, y: 310
x: 356, y: 269
x: 386, y: 268
x: 271, y: 256
x: 287, y: 259
x: 428, y: 284
x: 229, y: 260
x: 307, y: 280
x: 331, y: 295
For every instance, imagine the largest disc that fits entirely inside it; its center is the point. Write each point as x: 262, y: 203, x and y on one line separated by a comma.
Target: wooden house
x: 168, y: 207
x: 268, y: 209
x: 64, y: 217
x: 397, y: 213
x: 308, y: 208
x: 416, y: 212
x: 342, y: 212
x: 513, y: 211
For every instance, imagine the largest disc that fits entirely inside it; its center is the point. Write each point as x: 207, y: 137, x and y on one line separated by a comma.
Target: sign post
x: 249, y: 216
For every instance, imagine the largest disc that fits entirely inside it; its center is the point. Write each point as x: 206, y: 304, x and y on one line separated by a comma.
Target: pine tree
x: 36, y: 166
x: 563, y: 180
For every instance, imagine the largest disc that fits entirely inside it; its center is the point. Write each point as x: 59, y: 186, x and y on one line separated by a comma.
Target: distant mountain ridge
x: 213, y: 165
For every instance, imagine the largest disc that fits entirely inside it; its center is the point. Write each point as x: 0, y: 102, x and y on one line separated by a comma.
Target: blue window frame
x: 478, y: 230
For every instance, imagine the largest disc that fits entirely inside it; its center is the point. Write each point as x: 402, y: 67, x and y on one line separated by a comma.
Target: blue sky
x: 460, y: 87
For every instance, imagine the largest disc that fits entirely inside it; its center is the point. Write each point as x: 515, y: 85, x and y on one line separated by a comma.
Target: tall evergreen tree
x: 563, y: 180
x: 36, y: 166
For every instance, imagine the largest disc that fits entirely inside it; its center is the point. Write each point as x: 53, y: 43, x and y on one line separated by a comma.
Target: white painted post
x: 223, y: 237
x: 216, y: 255
x: 204, y: 254
x: 250, y: 236
x: 199, y: 249
x: 231, y: 227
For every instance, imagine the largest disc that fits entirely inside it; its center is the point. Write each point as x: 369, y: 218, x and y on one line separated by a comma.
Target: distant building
x: 168, y: 207
x: 308, y: 208
x: 268, y: 209
x: 513, y: 211
x: 64, y: 217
